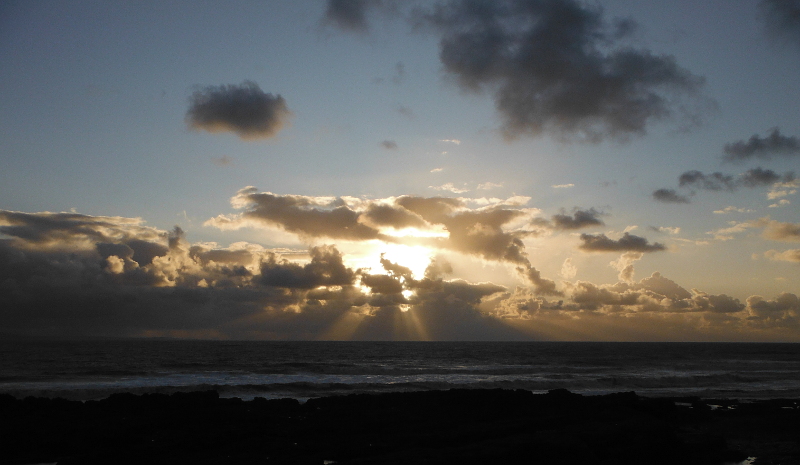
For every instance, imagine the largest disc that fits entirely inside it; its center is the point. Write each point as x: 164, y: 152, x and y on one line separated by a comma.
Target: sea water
x: 301, y: 370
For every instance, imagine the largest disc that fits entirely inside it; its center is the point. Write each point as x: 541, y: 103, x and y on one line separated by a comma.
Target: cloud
x: 578, y: 220
x: 732, y: 209
x: 783, y: 189
x: 389, y: 145
x: 624, y: 264
x: 666, y: 229
x: 399, y: 73
x: 669, y: 196
x: 242, y: 109
x: 562, y: 186
x: 452, y: 141
x: 791, y: 255
x: 780, y: 203
x: 72, y: 275
x: 785, y: 232
x: 564, y: 222
x: 782, y: 19
x: 222, y: 161
x: 560, y: 67
x: 349, y: 15
x: 627, y: 243
x: 449, y: 187
x: 325, y: 269
x: 302, y: 215
x: 763, y: 147
x: 752, y: 178
x: 491, y: 231
x: 405, y: 111
x: 489, y: 185
x: 568, y: 270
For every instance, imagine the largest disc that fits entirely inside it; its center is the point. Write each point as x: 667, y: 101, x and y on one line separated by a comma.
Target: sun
x: 414, y: 257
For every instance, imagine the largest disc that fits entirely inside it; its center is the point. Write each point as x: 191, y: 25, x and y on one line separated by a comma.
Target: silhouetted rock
x: 433, y: 427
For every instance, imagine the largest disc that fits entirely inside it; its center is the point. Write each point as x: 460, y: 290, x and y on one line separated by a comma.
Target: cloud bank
x: 67, y: 275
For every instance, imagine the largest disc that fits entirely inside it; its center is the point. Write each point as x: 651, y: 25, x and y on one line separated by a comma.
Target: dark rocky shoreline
x: 433, y: 427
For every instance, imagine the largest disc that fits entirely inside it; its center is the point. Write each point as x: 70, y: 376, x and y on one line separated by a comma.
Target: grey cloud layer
x: 242, y: 109
x: 549, y: 65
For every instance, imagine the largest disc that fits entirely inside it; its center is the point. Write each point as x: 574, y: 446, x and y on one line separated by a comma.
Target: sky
x: 383, y: 170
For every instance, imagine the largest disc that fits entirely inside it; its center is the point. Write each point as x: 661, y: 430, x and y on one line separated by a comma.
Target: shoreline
x: 455, y: 426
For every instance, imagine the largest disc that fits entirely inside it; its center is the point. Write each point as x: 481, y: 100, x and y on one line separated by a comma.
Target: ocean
x: 303, y: 370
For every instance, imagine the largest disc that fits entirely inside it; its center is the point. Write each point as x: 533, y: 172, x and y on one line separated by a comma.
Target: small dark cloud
x: 350, y: 15
x: 774, y: 144
x: 713, y: 182
x: 405, y: 111
x: 389, y: 145
x: 578, y: 220
x: 627, y: 243
x: 222, y: 161
x: 399, y: 73
x: 558, y: 66
x: 242, y: 109
x: 782, y: 19
x: 756, y: 177
x: 669, y: 196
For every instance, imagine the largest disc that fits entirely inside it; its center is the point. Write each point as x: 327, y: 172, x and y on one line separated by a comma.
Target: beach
x: 464, y: 426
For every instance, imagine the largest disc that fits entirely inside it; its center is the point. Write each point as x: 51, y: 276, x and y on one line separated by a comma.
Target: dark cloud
x: 775, y: 144
x: 559, y: 66
x: 627, y: 243
x: 305, y: 216
x: 349, y: 15
x: 782, y: 18
x: 714, y: 181
x: 756, y: 177
x: 578, y: 220
x: 389, y: 145
x: 325, y: 269
x: 242, y: 109
x: 669, y: 196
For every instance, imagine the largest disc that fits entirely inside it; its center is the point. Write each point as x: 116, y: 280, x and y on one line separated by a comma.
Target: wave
x: 708, y: 386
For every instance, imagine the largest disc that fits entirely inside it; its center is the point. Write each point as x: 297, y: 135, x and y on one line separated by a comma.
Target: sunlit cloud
x: 450, y: 187
x: 732, y: 209
x: 562, y: 186
x: 489, y: 185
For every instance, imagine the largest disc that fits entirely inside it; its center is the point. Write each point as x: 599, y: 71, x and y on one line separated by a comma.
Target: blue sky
x: 95, y: 99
